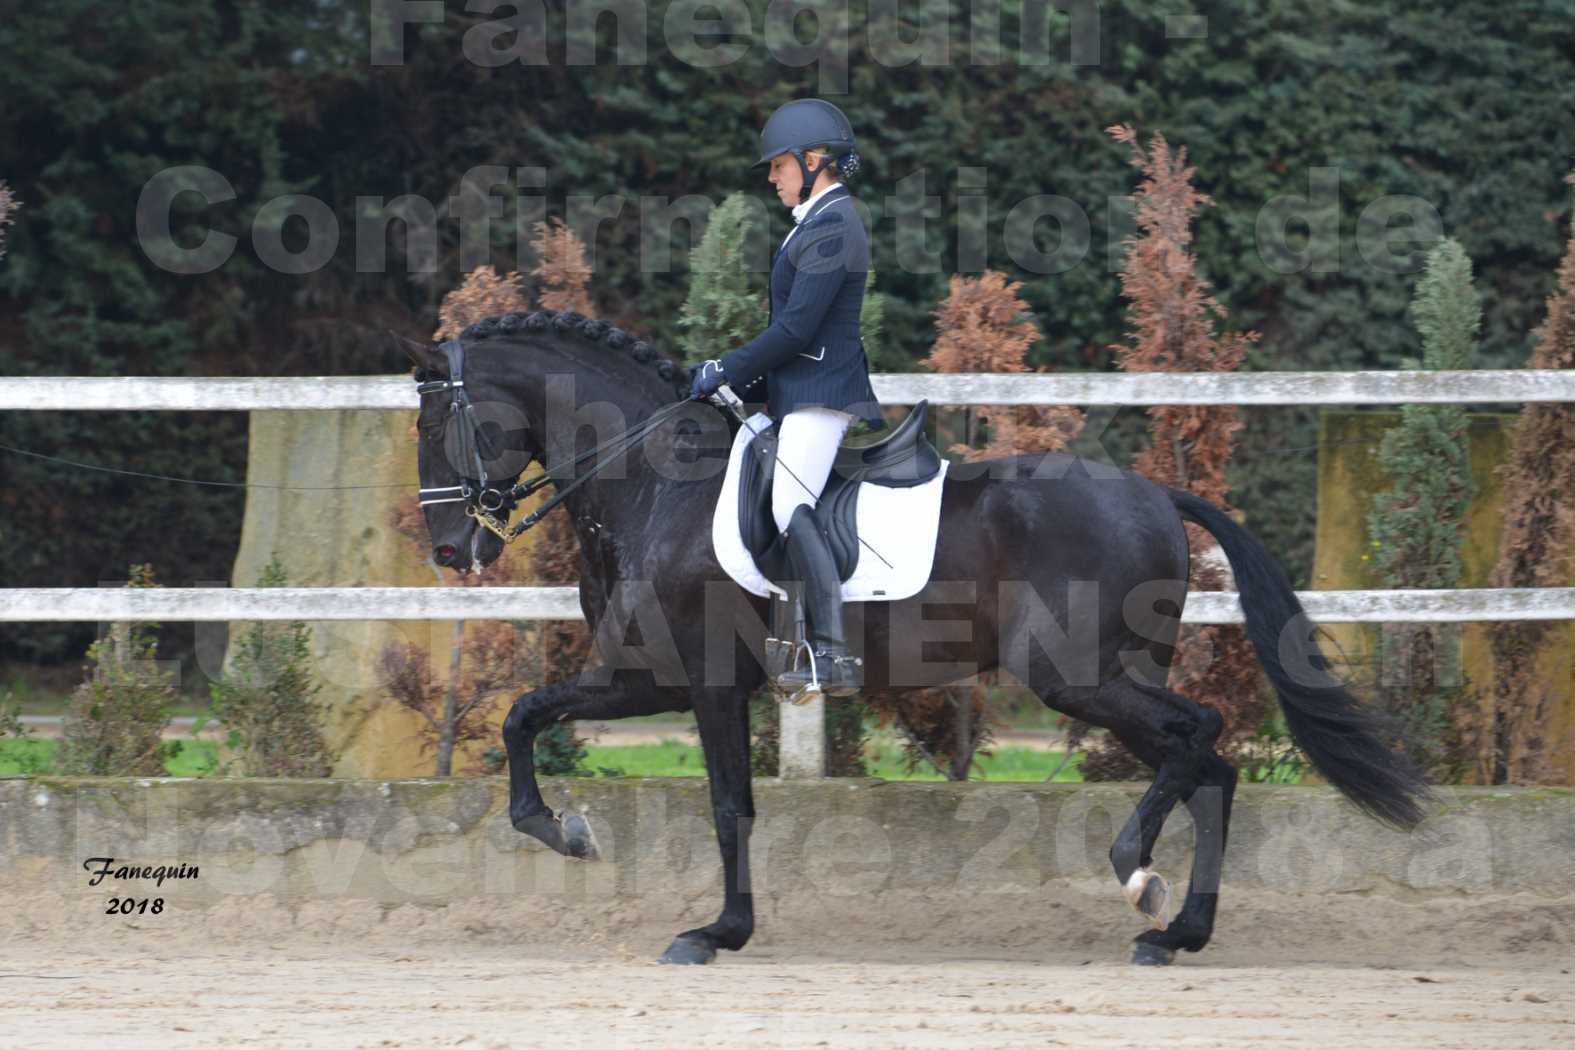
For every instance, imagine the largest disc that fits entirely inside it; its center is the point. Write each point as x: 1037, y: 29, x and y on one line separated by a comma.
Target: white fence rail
x: 179, y: 604
x: 67, y: 393
x: 803, y: 751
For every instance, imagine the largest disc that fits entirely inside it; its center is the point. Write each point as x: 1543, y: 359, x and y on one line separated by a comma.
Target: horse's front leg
x: 723, y: 718
x: 535, y: 711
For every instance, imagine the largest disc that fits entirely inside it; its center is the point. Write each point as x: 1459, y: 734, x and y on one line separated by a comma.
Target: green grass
x: 672, y: 758
x: 1006, y: 764
x: 195, y: 758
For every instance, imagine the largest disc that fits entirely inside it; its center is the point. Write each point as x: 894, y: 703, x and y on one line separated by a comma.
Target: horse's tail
x: 1333, y: 728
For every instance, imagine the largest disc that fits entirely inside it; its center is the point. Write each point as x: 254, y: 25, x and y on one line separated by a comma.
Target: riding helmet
x: 801, y: 124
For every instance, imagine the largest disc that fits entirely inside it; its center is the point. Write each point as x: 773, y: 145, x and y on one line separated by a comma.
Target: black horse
x: 1075, y: 574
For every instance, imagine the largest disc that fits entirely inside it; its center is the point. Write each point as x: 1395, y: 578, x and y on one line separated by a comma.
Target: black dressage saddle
x: 901, y: 459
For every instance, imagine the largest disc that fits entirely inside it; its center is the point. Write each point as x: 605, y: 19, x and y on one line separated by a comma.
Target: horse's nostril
x: 443, y: 553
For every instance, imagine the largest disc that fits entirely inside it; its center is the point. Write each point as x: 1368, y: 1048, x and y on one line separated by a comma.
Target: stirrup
x: 798, y: 691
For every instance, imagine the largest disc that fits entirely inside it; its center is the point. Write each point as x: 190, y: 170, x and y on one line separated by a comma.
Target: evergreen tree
x: 267, y: 701
x: 1415, y: 527
x: 726, y: 305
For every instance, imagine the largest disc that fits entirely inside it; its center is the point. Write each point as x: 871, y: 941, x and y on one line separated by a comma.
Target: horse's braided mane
x: 600, y: 333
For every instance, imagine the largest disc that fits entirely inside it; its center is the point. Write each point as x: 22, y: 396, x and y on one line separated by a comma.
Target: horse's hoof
x: 685, y: 951
x: 1145, y: 954
x: 570, y: 836
x: 1150, y: 895
x: 578, y: 839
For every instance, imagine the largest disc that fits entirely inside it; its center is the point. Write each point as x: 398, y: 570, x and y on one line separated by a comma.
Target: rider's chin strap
x: 807, y: 188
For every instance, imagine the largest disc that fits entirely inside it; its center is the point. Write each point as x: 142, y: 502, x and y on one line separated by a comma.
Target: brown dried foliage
x: 555, y: 561
x: 1536, y: 549
x: 1173, y: 326
x: 984, y: 326
x: 562, y: 275
x: 483, y: 293
x: 491, y: 669
x: 452, y: 712
x: 489, y: 658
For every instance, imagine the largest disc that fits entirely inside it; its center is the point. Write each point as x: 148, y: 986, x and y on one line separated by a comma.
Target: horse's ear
x: 418, y: 352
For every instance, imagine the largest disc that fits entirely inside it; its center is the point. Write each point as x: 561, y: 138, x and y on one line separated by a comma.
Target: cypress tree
x: 1414, y: 528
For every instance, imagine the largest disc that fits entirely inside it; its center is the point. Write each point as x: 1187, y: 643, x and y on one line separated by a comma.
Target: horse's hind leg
x: 533, y: 712
x: 1175, y: 736
x: 1193, y: 926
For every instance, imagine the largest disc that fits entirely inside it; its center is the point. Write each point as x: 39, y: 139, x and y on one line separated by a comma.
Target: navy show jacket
x: 811, y: 353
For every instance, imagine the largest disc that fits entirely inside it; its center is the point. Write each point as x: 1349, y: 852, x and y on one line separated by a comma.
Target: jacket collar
x: 803, y: 211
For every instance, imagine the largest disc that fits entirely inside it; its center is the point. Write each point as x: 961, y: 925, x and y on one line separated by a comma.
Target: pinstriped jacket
x: 811, y: 353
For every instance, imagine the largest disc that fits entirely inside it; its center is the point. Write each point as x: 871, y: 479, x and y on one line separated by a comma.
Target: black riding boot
x: 839, y: 672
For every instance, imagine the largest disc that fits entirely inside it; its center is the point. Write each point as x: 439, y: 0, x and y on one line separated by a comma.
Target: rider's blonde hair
x: 823, y: 150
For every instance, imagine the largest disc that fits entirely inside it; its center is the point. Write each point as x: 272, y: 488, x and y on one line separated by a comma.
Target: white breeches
x: 806, y: 446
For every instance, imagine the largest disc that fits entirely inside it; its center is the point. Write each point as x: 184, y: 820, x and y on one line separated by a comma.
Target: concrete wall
x: 417, y: 842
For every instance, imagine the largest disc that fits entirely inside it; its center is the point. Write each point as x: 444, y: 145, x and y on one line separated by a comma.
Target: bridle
x: 488, y: 503
x: 485, y: 498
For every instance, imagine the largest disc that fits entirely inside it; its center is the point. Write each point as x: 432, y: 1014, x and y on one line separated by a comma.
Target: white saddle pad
x: 897, y: 529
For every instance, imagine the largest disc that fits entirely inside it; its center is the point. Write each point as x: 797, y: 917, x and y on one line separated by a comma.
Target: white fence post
x: 801, y: 752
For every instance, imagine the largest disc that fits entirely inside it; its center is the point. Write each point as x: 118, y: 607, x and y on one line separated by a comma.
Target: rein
x: 623, y: 442
x: 491, y: 506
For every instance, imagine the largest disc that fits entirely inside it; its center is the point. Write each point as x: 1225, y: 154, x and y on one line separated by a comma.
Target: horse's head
x: 557, y: 387
x: 472, y: 446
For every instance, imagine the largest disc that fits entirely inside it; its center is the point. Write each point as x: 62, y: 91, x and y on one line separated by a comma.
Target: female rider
x: 810, y: 358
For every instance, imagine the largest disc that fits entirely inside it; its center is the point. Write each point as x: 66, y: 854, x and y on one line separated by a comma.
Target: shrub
x: 267, y: 699
x: 559, y: 753
x: 1511, y: 745
x: 28, y: 759
x: 1173, y: 325
x: 1415, y: 526
x: 456, y: 711
x: 562, y: 274
x: 483, y: 293
x: 726, y: 305
x: 983, y: 325
x: 943, y: 728
x: 114, y: 723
